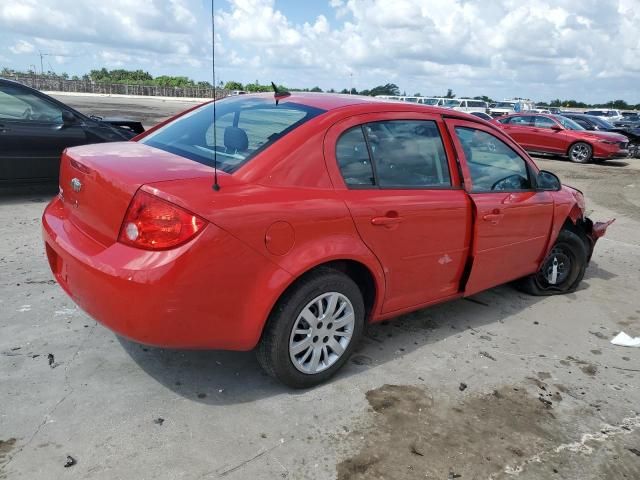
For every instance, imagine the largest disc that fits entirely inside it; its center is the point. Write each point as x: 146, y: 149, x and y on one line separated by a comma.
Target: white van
x: 466, y: 105
x: 432, y: 101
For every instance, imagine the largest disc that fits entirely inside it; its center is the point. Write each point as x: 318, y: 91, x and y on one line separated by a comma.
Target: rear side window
x: 397, y: 154
x: 353, y: 158
x: 243, y: 127
x: 493, y: 165
x: 543, y: 122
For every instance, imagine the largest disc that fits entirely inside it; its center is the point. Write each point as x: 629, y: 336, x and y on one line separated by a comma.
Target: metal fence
x: 57, y: 84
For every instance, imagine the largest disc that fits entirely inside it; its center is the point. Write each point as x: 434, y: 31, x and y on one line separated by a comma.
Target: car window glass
x: 408, y: 153
x: 248, y: 125
x: 543, y: 122
x: 493, y: 165
x: 353, y: 158
x: 19, y: 104
x: 519, y: 120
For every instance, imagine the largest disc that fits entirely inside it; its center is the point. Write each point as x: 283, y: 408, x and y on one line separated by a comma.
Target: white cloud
x: 22, y: 46
x: 587, y: 49
x: 500, y: 48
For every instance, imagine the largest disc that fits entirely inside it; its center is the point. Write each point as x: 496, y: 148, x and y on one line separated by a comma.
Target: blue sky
x: 542, y: 49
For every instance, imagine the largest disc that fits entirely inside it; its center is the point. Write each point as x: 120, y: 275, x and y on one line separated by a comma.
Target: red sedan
x: 288, y: 224
x: 559, y: 135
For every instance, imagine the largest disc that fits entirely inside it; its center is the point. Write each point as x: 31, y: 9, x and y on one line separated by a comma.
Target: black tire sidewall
x: 579, y: 259
x: 278, y: 331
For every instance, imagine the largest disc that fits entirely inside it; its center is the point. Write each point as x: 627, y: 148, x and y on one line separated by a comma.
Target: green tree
x: 387, y: 89
x: 450, y: 94
x: 316, y: 89
x: 233, y: 86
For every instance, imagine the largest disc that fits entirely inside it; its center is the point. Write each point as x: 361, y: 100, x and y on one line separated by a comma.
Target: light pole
x: 350, y: 83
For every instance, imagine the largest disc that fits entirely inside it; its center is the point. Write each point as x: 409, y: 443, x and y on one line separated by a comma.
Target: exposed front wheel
x: 580, y: 152
x: 562, y: 270
x: 313, y: 329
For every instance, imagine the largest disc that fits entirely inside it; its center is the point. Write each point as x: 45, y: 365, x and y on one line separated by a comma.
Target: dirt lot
x: 501, y: 385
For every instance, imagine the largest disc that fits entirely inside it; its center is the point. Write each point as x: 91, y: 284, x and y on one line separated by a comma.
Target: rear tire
x: 562, y: 270
x: 580, y: 152
x: 313, y: 329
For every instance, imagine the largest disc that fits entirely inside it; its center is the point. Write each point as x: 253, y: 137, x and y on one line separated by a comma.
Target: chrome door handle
x: 494, y: 218
x: 386, y: 220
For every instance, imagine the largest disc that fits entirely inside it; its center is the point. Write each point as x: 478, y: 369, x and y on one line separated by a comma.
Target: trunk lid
x: 97, y: 182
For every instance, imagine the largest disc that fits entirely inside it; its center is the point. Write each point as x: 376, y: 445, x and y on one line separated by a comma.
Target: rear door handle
x: 494, y: 218
x: 386, y: 220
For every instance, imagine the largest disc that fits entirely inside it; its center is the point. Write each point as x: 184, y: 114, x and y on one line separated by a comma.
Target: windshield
x: 504, y: 105
x: 568, y: 123
x: 452, y: 103
x: 244, y: 126
x: 600, y: 122
x: 432, y: 101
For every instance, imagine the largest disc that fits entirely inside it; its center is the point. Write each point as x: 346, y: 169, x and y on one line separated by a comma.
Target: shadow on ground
x: 222, y: 377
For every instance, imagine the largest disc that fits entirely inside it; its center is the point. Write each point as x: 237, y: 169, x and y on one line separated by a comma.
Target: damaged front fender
x: 593, y: 231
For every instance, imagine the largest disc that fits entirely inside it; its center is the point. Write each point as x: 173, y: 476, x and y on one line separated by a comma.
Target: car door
x: 394, y: 175
x: 519, y: 128
x: 512, y: 219
x: 32, y: 135
x: 547, y: 135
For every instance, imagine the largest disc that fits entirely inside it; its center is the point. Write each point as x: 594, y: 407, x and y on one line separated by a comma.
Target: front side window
x: 17, y: 103
x: 568, y: 123
x: 243, y: 127
x: 493, y: 165
x: 404, y: 154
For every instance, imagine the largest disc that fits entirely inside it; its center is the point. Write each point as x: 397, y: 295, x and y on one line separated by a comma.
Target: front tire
x: 562, y: 270
x: 313, y: 329
x: 580, y: 152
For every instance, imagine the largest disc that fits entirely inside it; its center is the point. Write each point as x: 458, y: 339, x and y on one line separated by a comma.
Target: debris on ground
x: 487, y: 355
x: 159, y: 421
x: 624, y: 340
x: 462, y: 387
x: 70, y: 462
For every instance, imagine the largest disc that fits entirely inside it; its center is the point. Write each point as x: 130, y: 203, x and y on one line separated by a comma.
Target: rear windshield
x: 244, y: 126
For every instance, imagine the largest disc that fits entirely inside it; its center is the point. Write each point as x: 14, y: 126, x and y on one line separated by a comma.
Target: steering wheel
x: 512, y: 182
x: 27, y: 114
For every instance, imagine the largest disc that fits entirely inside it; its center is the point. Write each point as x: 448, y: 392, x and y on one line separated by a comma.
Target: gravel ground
x: 501, y: 385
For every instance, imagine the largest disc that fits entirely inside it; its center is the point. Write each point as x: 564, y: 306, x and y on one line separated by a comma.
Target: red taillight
x: 155, y: 224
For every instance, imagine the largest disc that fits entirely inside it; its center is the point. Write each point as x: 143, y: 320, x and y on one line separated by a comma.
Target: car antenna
x: 277, y: 94
x: 216, y: 185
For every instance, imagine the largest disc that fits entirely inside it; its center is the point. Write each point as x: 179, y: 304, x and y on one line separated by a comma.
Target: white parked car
x: 608, y: 114
x: 466, y: 105
x: 508, y: 107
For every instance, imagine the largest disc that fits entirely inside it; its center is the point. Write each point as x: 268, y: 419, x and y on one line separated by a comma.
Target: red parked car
x: 555, y: 134
x: 328, y: 212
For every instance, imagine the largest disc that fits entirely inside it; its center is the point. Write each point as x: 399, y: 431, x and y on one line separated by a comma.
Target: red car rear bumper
x: 189, y: 297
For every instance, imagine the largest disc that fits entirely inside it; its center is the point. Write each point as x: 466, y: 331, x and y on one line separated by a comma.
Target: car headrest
x: 235, y: 139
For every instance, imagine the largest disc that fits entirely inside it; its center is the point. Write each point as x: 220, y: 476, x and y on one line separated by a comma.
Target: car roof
x: 334, y: 101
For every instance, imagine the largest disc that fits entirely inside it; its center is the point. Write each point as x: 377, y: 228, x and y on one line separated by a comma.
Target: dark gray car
x: 35, y: 129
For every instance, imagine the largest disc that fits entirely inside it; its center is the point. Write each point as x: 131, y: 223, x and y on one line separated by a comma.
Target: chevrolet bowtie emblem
x: 76, y: 185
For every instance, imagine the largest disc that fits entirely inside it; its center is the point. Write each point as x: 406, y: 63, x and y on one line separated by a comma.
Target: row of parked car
x: 35, y: 129
x: 595, y: 135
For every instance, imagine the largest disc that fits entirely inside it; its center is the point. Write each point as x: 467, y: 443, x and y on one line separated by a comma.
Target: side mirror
x: 556, y: 128
x: 548, y: 182
x: 68, y: 118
